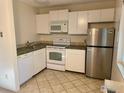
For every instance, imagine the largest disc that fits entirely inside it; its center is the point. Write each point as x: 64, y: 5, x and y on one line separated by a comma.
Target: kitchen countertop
x: 27, y: 49
x: 37, y: 46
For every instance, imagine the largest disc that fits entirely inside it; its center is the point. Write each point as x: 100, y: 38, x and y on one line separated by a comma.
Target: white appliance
x: 56, y: 54
x: 59, y: 27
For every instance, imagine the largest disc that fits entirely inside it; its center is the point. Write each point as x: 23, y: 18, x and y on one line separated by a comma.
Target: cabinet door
x: 54, y: 15
x: 63, y: 15
x: 42, y: 22
x: 94, y: 16
x: 43, y: 57
x: 25, y: 64
x: 73, y: 21
x: 107, y: 15
x: 82, y: 23
x: 75, y: 60
x: 39, y: 60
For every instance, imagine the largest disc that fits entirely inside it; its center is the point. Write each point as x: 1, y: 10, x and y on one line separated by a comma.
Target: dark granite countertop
x: 81, y: 47
x: 28, y: 49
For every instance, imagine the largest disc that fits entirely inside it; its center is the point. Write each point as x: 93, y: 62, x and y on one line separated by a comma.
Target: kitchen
x: 66, y: 47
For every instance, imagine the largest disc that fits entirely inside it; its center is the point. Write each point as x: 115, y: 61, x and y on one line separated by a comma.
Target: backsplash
x: 74, y: 38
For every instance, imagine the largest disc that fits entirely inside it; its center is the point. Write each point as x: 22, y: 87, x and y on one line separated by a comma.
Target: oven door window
x: 55, y: 56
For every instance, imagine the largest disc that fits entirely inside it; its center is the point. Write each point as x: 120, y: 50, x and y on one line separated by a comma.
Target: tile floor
x: 51, y: 81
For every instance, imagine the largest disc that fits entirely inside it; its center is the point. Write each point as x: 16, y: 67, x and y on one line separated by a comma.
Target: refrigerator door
x: 99, y: 62
x: 100, y: 37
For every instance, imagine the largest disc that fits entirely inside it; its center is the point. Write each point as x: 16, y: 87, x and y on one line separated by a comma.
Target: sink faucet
x: 27, y: 44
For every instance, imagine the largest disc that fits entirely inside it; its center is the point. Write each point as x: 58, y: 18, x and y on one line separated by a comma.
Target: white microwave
x: 59, y: 27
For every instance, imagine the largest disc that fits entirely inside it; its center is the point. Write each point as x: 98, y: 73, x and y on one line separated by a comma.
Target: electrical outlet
x: 1, y: 34
x: 4, y: 76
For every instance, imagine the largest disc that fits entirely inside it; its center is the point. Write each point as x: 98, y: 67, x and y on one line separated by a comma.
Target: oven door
x: 56, y: 56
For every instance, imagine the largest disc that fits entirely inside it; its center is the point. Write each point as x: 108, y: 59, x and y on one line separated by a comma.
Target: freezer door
x: 100, y: 37
x: 99, y: 62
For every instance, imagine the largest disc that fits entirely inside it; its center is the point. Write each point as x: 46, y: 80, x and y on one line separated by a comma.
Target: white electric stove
x: 56, y: 54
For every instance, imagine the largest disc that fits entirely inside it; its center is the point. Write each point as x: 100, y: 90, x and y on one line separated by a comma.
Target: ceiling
x: 46, y: 3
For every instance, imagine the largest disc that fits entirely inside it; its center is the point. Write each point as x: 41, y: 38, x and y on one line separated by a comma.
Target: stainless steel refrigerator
x: 100, y: 44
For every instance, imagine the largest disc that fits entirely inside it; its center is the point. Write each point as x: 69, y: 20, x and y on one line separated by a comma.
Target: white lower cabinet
x: 39, y: 60
x: 75, y: 60
x: 25, y: 65
x: 30, y: 64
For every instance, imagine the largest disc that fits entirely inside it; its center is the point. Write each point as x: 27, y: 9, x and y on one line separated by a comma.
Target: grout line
x: 49, y: 83
x: 69, y: 81
x: 73, y: 84
x: 62, y: 83
x: 37, y: 85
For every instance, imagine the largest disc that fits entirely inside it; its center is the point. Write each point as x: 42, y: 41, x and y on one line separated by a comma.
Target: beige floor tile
x: 59, y: 76
x: 48, y: 72
x: 68, y: 85
x: 29, y: 88
x: 83, y: 88
x: 59, y: 72
x: 73, y: 90
x: 80, y: 76
x: 51, y: 81
x: 78, y: 83
x: 31, y: 84
x: 54, y: 82
x: 43, y: 84
x: 41, y: 79
x: 58, y: 89
x: 97, y: 91
x: 67, y: 74
x: 92, y: 86
x: 96, y: 85
x: 63, y: 92
x: 99, y: 83
x: 51, y: 77
x: 63, y: 80
x: 91, y: 92
x: 46, y: 90
x: 71, y: 78
x: 29, y: 91
x: 87, y: 80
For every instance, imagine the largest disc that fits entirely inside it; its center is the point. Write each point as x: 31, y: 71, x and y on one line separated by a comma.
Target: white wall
x: 120, y: 53
x: 73, y: 38
x: 116, y: 75
x: 25, y: 23
x: 81, y: 6
x: 8, y: 62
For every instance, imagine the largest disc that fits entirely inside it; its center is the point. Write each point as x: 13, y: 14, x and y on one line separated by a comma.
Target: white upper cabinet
x: 59, y: 15
x: 82, y: 22
x: 63, y: 15
x: 73, y: 16
x: 94, y: 16
x: 103, y: 15
x: 54, y: 15
x: 107, y: 15
x: 42, y: 23
x: 78, y: 22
